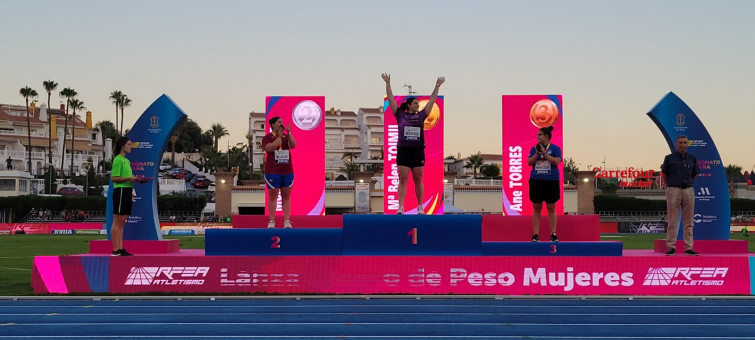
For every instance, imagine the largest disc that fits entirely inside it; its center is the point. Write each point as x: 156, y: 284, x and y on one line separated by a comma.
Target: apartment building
x: 47, y: 130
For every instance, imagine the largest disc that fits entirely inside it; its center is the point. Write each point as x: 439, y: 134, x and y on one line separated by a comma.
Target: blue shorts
x: 276, y: 181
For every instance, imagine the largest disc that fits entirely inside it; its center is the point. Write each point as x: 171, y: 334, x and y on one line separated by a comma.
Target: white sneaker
x: 420, y: 210
x: 287, y: 224
x: 400, y: 211
x: 271, y: 225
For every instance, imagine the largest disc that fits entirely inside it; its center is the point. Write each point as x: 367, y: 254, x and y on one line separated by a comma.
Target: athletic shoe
x: 116, y: 253
x: 287, y: 224
x: 125, y: 253
x: 271, y: 224
x: 420, y: 211
x: 691, y: 252
x: 554, y: 238
x: 535, y: 238
x: 671, y: 252
x: 400, y: 211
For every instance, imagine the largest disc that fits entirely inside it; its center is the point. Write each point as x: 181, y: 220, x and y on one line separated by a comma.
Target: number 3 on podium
x: 413, y: 234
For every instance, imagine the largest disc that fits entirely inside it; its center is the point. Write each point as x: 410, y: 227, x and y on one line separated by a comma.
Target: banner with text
x: 433, y: 173
x: 149, y: 137
x: 306, y: 116
x: 501, y: 275
x: 712, y: 205
x: 522, y: 116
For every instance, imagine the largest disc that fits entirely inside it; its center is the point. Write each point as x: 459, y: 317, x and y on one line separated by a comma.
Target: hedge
x: 21, y: 205
x: 608, y: 202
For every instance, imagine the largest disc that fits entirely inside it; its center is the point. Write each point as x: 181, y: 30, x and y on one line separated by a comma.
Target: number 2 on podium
x: 413, y: 234
x: 276, y: 242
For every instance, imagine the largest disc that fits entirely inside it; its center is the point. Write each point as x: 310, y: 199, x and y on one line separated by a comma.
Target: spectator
x: 172, y: 218
x: 9, y: 163
x: 48, y: 214
x: 81, y: 215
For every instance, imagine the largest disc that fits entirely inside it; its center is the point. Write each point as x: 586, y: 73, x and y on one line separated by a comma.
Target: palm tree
x: 69, y: 94
x: 49, y: 87
x: 217, y: 131
x: 733, y: 172
x: 116, y: 97
x: 125, y: 102
x: 27, y: 92
x: 75, y: 105
x: 474, y: 162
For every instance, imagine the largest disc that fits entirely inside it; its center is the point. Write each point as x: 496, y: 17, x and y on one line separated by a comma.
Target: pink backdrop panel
x: 306, y: 116
x: 433, y: 173
x: 522, y: 116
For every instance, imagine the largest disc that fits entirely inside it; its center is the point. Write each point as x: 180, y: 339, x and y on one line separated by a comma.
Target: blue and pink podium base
x: 388, y: 254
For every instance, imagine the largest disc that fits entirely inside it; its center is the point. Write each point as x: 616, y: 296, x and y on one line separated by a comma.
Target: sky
x: 611, y: 60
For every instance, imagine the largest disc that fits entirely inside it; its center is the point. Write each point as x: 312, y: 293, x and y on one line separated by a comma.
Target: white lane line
x: 11, y: 268
x: 508, y: 324
x: 371, y: 313
x: 114, y: 304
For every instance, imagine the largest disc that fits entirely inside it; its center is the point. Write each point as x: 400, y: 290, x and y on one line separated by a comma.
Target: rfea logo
x: 685, y: 276
x: 166, y: 276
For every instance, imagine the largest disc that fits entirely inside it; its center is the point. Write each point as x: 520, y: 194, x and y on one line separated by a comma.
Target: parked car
x: 165, y: 166
x: 70, y: 191
x: 200, y: 182
x: 181, y: 173
x: 189, y: 176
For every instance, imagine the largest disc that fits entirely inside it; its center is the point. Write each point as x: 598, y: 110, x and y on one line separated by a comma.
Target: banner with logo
x: 433, y: 173
x: 578, y: 275
x: 522, y: 117
x: 362, y: 197
x: 712, y: 205
x: 149, y: 137
x: 306, y: 116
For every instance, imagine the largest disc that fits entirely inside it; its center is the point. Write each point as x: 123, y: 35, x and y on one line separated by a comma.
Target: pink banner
x: 655, y: 275
x: 433, y: 173
x: 522, y: 116
x: 305, y: 114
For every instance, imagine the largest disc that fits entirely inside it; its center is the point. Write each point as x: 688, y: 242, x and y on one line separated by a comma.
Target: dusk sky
x: 611, y: 60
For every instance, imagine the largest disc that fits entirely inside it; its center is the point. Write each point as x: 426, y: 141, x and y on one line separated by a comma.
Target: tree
x: 75, y: 105
x: 125, y: 102
x: 474, y: 162
x: 570, y: 170
x: 733, y: 173
x: 27, y: 92
x: 451, y: 157
x: 490, y: 170
x: 51, y: 177
x: 116, y: 97
x: 68, y: 93
x: 189, y: 137
x: 108, y: 130
x: 49, y: 87
x: 217, y: 131
x: 349, y: 168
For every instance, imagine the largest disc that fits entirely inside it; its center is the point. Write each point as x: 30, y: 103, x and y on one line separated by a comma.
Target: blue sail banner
x: 149, y: 136
x: 712, y: 205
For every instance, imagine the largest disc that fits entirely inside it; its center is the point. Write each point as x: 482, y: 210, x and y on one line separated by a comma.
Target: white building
x: 47, y: 127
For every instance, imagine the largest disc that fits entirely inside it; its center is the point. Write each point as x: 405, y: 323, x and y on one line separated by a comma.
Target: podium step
x: 601, y: 248
x: 412, y: 235
x: 273, y: 242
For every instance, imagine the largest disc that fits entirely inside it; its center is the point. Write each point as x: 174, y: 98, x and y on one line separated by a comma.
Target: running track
x: 384, y: 317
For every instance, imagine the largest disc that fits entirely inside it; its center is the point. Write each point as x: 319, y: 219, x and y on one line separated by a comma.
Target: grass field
x: 17, y: 252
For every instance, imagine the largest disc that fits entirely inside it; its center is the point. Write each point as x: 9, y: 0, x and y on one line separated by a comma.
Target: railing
x: 22, y: 133
x: 477, y: 181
